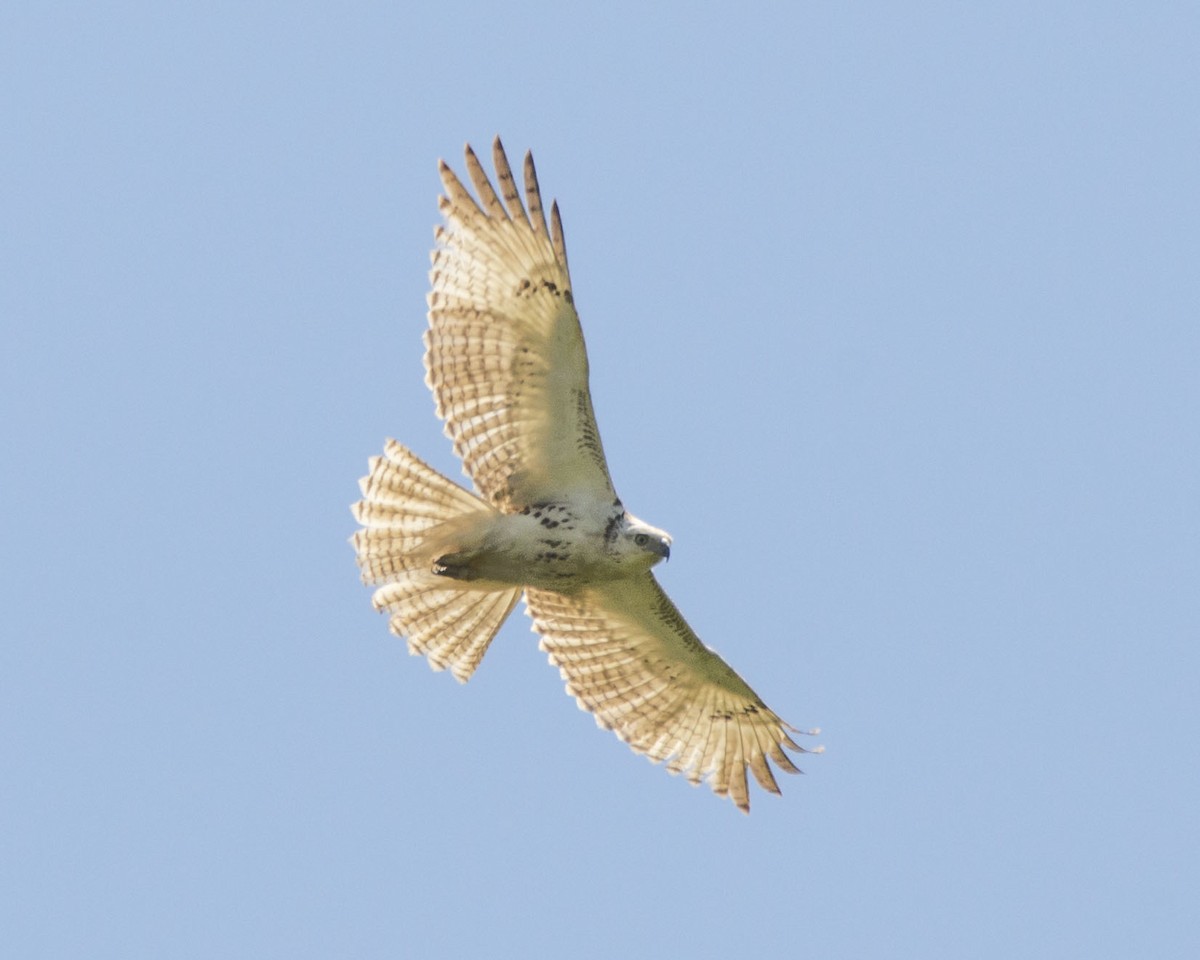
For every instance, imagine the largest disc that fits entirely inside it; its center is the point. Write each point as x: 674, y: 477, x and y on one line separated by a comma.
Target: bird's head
x: 637, y: 543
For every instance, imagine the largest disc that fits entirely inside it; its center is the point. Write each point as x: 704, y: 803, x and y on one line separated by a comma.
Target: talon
x: 450, y: 566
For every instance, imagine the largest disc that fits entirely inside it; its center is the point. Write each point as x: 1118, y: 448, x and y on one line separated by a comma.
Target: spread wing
x: 504, y: 351
x: 629, y: 657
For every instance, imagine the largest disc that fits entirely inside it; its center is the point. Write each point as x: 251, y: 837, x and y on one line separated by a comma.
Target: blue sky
x: 892, y: 317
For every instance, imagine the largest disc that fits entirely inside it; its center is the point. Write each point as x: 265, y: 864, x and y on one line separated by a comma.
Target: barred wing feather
x: 628, y: 657
x: 505, y: 356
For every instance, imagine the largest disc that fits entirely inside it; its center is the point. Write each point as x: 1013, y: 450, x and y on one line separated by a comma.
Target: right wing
x: 629, y: 657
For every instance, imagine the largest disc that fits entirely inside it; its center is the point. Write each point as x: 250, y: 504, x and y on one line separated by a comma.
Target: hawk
x: 505, y: 359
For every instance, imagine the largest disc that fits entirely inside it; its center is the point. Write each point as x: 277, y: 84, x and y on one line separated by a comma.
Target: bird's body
x: 556, y: 545
x: 506, y: 361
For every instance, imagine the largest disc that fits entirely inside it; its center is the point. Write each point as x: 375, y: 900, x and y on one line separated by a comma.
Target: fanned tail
x: 411, y: 514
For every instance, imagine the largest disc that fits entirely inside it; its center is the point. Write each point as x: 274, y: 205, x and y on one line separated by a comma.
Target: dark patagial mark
x: 613, y: 527
x: 588, y: 441
x: 670, y: 617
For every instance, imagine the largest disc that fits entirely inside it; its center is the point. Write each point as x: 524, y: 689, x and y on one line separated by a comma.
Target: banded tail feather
x: 410, y: 515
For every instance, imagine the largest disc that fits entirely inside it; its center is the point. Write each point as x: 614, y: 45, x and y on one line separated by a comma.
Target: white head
x: 634, y: 542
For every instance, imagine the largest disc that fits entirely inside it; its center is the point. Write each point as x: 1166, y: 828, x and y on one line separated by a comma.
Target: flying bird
x: 505, y: 359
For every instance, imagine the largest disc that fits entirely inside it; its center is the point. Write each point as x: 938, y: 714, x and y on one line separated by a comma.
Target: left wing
x: 504, y: 351
x: 629, y: 657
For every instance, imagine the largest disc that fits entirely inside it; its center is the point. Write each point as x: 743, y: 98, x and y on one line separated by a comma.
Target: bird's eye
x: 640, y: 539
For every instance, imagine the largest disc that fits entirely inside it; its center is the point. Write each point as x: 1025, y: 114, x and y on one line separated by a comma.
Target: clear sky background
x: 893, y: 319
